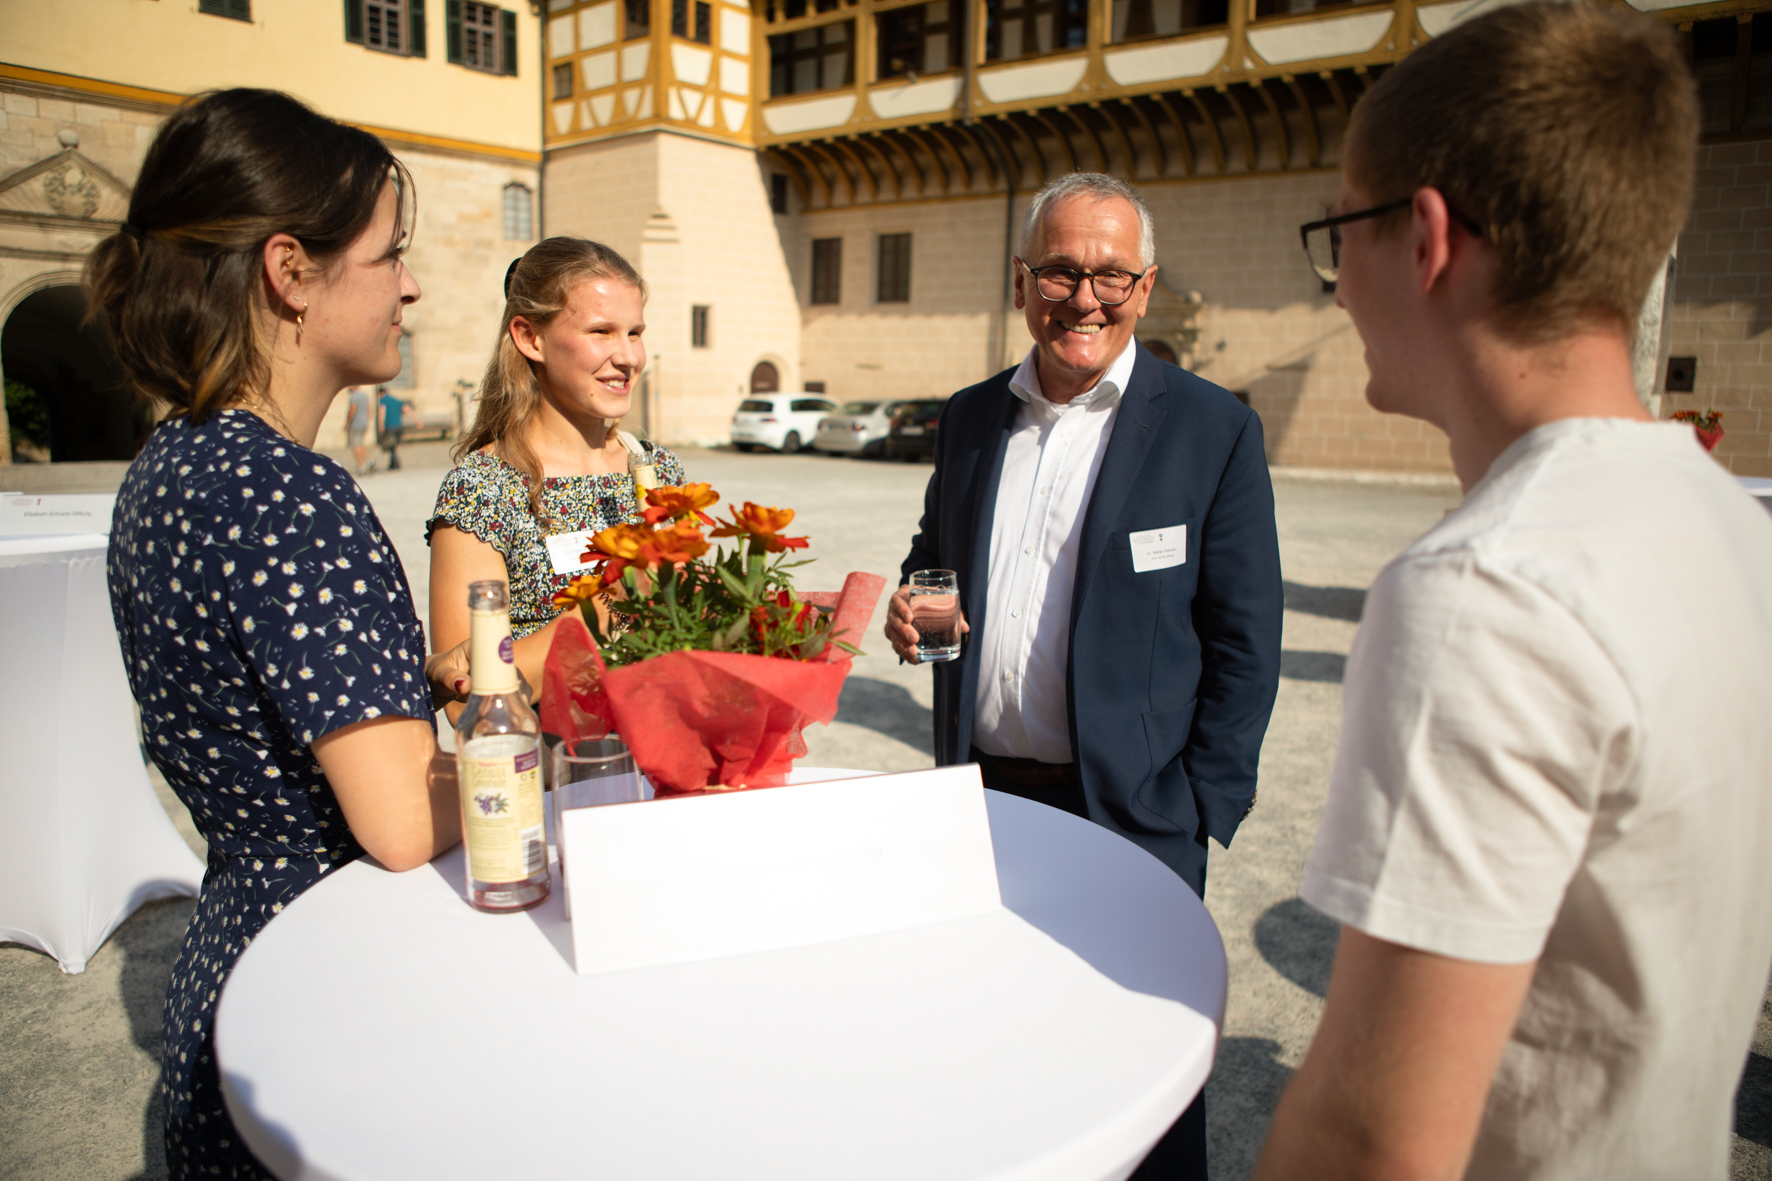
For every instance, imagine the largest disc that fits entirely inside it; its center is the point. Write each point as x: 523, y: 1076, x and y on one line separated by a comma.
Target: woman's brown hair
x: 537, y: 288
x: 180, y: 285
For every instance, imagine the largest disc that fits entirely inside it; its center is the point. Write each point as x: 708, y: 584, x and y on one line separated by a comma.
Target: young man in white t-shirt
x: 1549, y: 830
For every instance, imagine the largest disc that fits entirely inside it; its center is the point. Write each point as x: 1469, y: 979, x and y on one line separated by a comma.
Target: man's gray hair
x: 1096, y: 187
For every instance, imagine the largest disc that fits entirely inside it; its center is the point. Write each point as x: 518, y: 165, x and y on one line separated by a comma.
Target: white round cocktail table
x: 380, y: 1029
x: 86, y: 841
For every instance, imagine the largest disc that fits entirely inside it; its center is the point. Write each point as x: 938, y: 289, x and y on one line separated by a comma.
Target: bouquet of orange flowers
x: 710, y: 665
x: 1707, y: 424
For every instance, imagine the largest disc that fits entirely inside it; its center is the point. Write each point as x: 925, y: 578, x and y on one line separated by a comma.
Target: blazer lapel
x: 993, y: 443
x: 1135, y: 429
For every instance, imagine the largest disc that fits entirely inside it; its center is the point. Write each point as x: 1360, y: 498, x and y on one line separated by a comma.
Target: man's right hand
x: 900, y: 632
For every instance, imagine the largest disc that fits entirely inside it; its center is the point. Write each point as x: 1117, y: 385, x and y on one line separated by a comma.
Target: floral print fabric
x: 487, y: 497
x: 260, y: 607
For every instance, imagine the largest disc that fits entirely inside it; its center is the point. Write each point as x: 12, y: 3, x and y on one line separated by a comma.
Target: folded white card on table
x: 40, y: 516
x: 675, y: 880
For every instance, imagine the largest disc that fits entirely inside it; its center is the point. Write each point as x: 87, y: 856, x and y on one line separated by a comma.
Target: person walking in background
x: 1548, y: 825
x: 1111, y: 521
x: 246, y: 571
x: 391, y: 424
x: 358, y: 413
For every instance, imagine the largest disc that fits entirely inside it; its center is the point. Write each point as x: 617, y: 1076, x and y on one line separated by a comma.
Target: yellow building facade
x: 451, y: 86
x: 824, y: 194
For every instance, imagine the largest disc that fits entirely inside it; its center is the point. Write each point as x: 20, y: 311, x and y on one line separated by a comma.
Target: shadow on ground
x: 1330, y: 602
x: 888, y: 709
x: 1753, y: 1102
x: 1245, y: 1086
x: 1326, y: 667
x: 1298, y: 942
x: 149, y: 943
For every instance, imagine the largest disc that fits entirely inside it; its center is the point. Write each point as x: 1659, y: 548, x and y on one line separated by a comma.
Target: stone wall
x: 458, y: 253
x: 945, y: 338
x: 693, y: 217
x: 113, y: 137
x: 459, y: 256
x: 1721, y: 308
x: 1270, y: 330
x: 1267, y: 328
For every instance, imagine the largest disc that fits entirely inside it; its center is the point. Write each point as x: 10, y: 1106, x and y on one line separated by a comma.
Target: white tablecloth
x: 381, y: 1029
x: 85, y: 840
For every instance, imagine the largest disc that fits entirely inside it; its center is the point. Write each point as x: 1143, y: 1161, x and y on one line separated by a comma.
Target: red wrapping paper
x: 699, y: 721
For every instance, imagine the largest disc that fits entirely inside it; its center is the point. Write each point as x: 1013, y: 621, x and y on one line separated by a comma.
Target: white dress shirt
x: 1049, y: 471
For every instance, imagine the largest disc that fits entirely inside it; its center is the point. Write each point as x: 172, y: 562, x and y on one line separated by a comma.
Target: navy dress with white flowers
x: 260, y: 607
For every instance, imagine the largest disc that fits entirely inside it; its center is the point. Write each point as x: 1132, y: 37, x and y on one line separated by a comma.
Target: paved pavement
x: 79, y: 1054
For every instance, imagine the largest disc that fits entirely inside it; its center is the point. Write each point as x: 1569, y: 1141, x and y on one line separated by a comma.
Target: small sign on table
x: 675, y: 880
x: 40, y: 516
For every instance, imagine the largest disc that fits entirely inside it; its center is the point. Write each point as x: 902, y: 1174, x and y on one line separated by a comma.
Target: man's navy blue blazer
x: 1172, y: 673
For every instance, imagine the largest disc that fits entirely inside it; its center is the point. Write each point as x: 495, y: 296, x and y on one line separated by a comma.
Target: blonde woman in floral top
x: 544, y: 466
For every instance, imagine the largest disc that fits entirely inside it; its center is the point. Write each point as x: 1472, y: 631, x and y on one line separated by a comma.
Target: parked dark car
x: 912, y: 433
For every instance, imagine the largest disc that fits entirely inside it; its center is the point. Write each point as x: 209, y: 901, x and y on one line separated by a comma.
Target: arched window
x: 519, y: 213
x: 765, y: 379
x: 1161, y: 349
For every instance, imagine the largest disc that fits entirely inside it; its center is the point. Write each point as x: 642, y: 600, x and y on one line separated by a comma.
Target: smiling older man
x: 1111, y: 521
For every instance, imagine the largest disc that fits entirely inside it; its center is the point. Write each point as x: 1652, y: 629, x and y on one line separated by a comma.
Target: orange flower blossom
x: 678, y: 504
x: 677, y: 544
x: 763, y: 526
x: 617, y: 547
x: 578, y: 590
x: 621, y: 546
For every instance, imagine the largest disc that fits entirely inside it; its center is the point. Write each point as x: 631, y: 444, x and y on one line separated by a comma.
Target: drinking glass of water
x: 935, y: 613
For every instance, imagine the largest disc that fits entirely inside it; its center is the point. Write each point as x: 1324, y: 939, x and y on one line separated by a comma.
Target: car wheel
x: 791, y: 443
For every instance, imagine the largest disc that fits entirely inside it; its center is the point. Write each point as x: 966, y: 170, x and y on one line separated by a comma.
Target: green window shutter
x: 452, y: 30
x: 354, y: 21
x: 415, y: 27
x: 508, y: 31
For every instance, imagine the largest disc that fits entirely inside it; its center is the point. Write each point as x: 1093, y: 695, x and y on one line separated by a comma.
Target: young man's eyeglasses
x: 1057, y: 284
x: 1322, y: 239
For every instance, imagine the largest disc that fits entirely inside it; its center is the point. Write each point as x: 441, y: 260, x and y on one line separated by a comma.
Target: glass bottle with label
x: 498, y: 760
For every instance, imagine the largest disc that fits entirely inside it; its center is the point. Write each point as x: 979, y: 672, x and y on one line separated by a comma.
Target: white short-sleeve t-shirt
x: 1555, y: 747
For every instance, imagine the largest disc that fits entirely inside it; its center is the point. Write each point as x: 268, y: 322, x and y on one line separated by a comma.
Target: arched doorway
x: 765, y: 378
x: 1160, y: 349
x: 66, y: 398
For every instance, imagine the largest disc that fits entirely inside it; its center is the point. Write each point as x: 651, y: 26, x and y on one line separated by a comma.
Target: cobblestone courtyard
x: 79, y: 1054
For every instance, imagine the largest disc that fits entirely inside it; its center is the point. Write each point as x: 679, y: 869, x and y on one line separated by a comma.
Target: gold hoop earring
x: 299, y: 317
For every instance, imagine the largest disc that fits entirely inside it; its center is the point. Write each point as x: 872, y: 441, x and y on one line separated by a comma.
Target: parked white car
x: 781, y: 422
x: 860, y: 428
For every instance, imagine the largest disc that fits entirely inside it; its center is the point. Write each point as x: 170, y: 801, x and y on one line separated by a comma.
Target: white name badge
x: 1159, y: 549
x: 566, y: 551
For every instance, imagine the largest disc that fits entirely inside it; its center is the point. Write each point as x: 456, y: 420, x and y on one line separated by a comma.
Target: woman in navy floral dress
x: 266, y: 625
x: 544, y: 467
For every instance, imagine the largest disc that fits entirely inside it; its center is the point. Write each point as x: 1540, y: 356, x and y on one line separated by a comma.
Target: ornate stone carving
x: 70, y: 191
x: 65, y: 185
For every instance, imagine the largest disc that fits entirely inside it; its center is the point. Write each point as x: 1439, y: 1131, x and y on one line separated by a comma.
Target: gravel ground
x: 79, y: 1054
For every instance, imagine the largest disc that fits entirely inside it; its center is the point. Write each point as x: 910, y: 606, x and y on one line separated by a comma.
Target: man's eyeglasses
x: 1322, y: 239
x: 1057, y: 284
